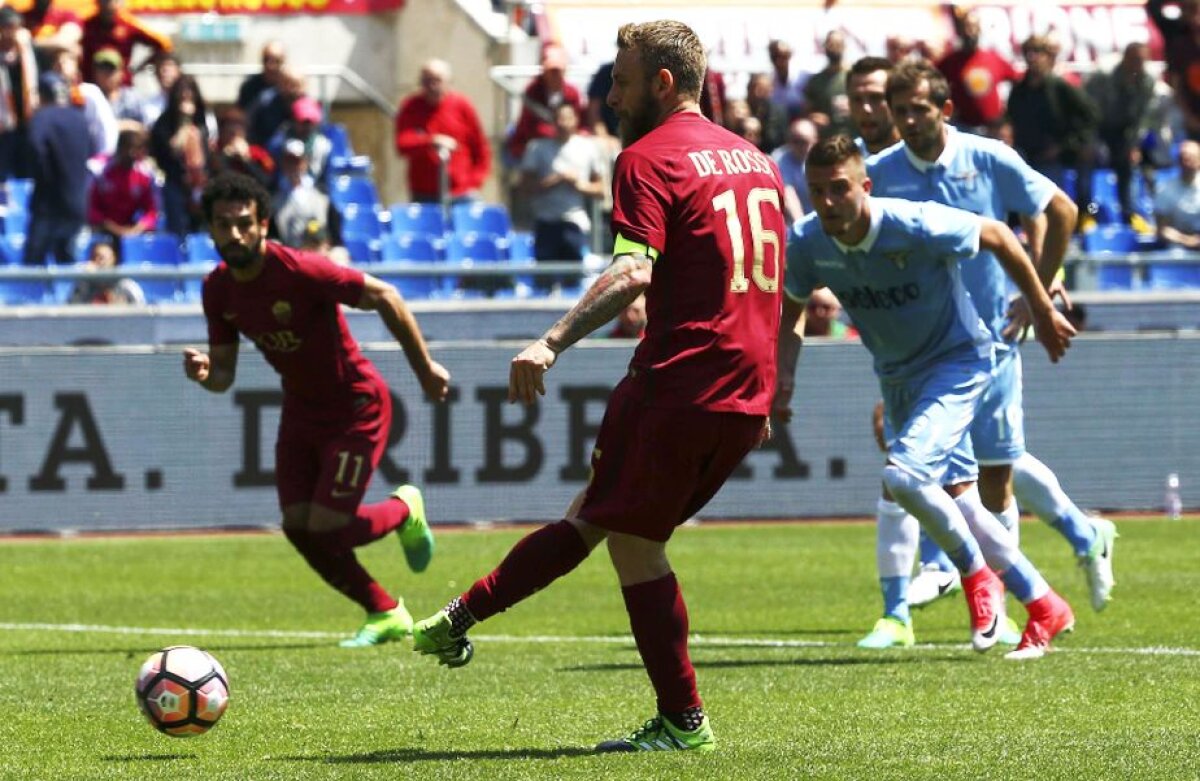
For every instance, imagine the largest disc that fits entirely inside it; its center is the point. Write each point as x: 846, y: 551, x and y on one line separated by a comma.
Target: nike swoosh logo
x: 992, y: 629
x: 944, y: 587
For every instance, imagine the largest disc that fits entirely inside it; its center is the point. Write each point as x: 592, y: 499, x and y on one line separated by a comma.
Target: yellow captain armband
x: 624, y: 246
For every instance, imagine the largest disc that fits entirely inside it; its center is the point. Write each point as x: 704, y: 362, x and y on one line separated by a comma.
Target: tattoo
x: 615, y: 289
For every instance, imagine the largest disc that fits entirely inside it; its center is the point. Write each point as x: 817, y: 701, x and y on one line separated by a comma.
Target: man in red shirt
x: 549, y: 90
x: 121, y: 201
x: 112, y: 27
x: 698, y: 214
x: 438, y: 127
x: 337, y: 410
x: 975, y: 76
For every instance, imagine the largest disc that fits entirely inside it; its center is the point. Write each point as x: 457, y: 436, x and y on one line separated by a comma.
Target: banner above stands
x: 1091, y: 33
x: 85, y: 8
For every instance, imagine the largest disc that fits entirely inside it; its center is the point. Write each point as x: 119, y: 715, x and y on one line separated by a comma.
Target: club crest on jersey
x: 282, y: 311
x: 899, y: 258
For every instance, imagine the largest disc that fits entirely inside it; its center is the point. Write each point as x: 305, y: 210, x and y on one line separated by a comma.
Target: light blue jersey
x: 900, y: 285
x: 977, y: 174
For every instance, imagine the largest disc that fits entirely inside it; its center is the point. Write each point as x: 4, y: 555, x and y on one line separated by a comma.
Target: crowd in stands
x: 112, y: 165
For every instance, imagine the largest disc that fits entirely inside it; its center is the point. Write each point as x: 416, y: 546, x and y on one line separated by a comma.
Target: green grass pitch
x: 775, y: 610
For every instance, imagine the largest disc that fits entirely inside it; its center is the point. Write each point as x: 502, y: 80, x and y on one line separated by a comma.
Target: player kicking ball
x: 337, y: 409
x: 894, y: 266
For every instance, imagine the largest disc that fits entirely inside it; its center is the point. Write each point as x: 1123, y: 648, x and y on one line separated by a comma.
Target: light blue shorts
x: 998, y: 432
x: 928, y: 418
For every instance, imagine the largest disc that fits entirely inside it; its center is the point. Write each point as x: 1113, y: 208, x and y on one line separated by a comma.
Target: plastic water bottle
x: 1172, y: 501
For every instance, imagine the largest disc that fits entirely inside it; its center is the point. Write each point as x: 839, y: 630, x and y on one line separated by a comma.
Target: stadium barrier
x: 117, y: 438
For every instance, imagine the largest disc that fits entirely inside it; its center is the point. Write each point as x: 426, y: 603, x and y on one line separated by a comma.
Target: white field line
x: 696, y: 641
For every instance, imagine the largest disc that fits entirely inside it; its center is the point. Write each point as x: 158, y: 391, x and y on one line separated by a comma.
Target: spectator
x: 102, y: 257
x: 787, y: 89
x: 179, y: 144
x: 18, y: 93
x: 750, y: 128
x: 101, y: 120
x: 771, y: 117
x: 600, y: 118
x: 167, y: 71
x: 1177, y: 203
x: 298, y: 203
x: 790, y: 157
x: 52, y: 29
x: 234, y: 152
x: 1053, y: 123
x: 562, y: 175
x: 305, y: 126
x: 438, y: 127
x: 127, y: 103
x: 274, y: 58
x: 1181, y: 42
x: 316, y: 239
x: 631, y: 322
x: 712, y: 96
x: 121, y: 202
x: 274, y: 107
x: 112, y: 27
x: 60, y: 148
x: 975, y: 76
x: 541, y: 98
x: 825, y: 90
x: 823, y: 316
x: 1124, y: 97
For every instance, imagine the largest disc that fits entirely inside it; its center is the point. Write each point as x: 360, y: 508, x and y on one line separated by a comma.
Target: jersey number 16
x: 760, y: 239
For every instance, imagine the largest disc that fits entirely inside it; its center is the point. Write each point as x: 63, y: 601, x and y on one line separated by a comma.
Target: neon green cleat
x: 1098, y: 563
x: 659, y: 734
x: 1012, y: 632
x: 416, y: 538
x: 381, y: 628
x: 889, y: 632
x: 433, y: 636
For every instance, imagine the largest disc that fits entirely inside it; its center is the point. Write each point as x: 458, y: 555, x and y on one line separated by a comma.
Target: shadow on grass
x: 423, y: 755
x: 886, y: 658
x: 148, y: 649
x: 146, y: 757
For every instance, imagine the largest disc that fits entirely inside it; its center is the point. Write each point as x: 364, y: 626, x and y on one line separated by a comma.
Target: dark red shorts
x: 653, y: 468
x: 331, y: 464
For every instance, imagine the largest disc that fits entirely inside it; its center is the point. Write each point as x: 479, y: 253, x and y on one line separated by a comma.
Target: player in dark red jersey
x: 700, y: 229
x: 336, y: 407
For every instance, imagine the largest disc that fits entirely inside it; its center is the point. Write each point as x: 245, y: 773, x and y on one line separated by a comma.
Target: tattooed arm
x: 623, y: 281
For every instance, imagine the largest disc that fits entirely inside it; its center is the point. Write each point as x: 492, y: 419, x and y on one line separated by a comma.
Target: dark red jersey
x: 290, y: 311
x: 711, y: 204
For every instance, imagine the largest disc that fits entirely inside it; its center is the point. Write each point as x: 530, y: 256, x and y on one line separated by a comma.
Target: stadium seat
x: 1111, y: 238
x: 1168, y: 275
x: 474, y: 247
x: 1104, y: 196
x: 151, y: 250
x: 201, y: 249
x: 18, y: 193
x: 350, y: 165
x: 423, y: 218
x: 409, y: 247
x: 480, y: 218
x: 16, y: 220
x: 339, y: 137
x: 362, y: 250
x: 361, y: 221
x: 346, y: 189
x: 520, y: 246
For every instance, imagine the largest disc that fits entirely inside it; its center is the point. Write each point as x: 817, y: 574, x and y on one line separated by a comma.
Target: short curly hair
x: 235, y: 187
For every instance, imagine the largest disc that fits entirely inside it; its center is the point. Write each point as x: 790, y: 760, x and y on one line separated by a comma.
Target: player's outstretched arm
x: 214, y: 370
x: 791, y: 341
x: 616, y: 288
x: 381, y: 297
x: 1053, y: 330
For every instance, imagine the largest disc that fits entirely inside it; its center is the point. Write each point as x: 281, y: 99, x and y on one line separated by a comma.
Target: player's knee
x: 900, y: 484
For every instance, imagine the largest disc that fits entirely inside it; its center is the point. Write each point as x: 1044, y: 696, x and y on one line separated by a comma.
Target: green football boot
x: 889, y: 632
x: 416, y: 538
x: 381, y: 628
x: 659, y: 734
x: 433, y: 637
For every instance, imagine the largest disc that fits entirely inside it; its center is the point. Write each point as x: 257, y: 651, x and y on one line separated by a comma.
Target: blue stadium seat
x: 18, y: 292
x: 350, y: 165
x: 16, y: 220
x: 339, y: 136
x: 360, y: 221
x: 476, y: 247
x: 409, y: 247
x: 201, y: 249
x: 1104, y: 195
x: 520, y: 245
x: 159, y: 249
x: 18, y: 193
x: 346, y: 189
x: 480, y: 218
x: 424, y: 218
x: 1111, y: 238
x: 1176, y: 275
x: 362, y: 251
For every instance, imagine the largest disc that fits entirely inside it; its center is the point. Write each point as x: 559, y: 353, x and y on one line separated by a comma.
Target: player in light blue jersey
x: 938, y: 163
x: 894, y: 265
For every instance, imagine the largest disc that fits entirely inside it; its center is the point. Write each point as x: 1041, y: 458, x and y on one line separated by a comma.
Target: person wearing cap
x: 112, y: 27
x: 127, y: 103
x: 59, y: 150
x: 543, y: 95
x: 438, y: 126
x: 298, y: 203
x: 18, y: 93
x: 305, y: 126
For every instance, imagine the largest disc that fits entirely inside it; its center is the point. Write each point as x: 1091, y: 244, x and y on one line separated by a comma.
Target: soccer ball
x: 182, y: 691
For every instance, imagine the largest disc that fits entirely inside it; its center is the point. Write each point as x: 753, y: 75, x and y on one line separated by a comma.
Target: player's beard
x: 239, y: 257
x: 640, y: 121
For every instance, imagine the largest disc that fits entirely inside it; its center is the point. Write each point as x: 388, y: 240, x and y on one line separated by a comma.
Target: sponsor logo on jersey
x: 282, y: 311
x: 893, y: 297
